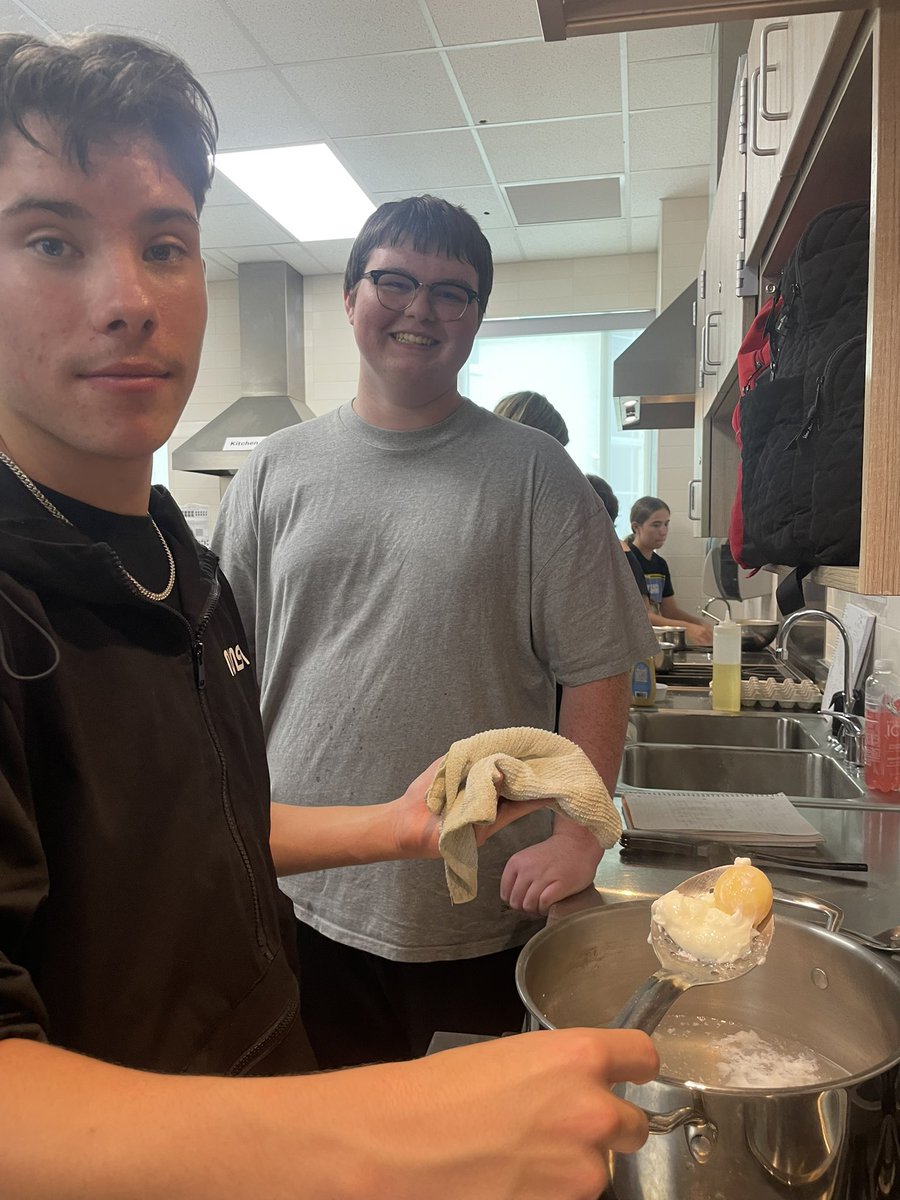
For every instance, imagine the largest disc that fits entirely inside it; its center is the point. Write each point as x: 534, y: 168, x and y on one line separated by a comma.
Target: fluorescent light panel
x: 304, y: 188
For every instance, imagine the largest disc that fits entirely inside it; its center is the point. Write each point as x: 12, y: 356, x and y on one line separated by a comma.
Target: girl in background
x: 649, y: 529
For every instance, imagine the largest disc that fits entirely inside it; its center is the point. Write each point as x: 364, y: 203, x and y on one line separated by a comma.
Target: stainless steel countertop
x: 867, y: 828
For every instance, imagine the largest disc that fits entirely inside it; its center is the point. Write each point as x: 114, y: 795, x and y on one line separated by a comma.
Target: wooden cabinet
x: 792, y: 66
x: 841, y: 142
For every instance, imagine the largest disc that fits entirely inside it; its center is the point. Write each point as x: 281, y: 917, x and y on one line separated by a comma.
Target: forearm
x: 77, y: 1129
x: 595, y: 717
x: 313, y: 839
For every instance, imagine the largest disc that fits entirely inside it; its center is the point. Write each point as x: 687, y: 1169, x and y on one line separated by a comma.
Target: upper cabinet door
x: 793, y: 63
x: 562, y: 19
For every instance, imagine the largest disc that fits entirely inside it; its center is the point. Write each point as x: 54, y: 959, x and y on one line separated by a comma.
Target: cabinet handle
x: 759, y: 151
x: 710, y: 364
x: 742, y: 117
x: 701, y: 375
x: 764, y: 111
x: 692, y: 516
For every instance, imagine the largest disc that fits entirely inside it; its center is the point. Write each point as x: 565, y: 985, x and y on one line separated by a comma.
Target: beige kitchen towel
x: 533, y: 764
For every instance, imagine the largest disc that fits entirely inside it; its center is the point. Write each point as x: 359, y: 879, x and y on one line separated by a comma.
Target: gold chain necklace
x: 51, y: 508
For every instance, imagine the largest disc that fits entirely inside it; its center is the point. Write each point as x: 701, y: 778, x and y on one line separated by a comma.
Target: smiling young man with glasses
x: 415, y: 569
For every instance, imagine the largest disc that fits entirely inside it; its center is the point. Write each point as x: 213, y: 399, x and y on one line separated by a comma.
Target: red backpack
x: 754, y: 361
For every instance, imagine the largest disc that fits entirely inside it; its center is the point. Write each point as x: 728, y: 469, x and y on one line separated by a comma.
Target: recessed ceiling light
x: 304, y: 188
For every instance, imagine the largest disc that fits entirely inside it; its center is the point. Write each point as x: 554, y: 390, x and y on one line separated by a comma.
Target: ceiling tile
x: 245, y: 254
x: 574, y: 239
x: 216, y: 271
x: 505, y: 245
x: 644, y: 234
x: 484, y: 203
x: 530, y: 81
x: 332, y: 255
x: 554, y: 149
x: 373, y: 94
x: 239, y: 225
x: 649, y: 187
x: 668, y: 82
x: 300, y: 259
x: 13, y: 20
x: 321, y: 29
x: 461, y: 21
x: 255, y: 109
x: 183, y: 27
x: 670, y: 137
x: 413, y: 162
x: 668, y: 43
x: 223, y: 191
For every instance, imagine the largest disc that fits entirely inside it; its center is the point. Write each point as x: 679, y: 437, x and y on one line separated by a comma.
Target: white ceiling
x: 454, y: 97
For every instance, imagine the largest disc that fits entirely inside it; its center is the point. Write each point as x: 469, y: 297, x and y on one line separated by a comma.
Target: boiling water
x: 720, y: 1053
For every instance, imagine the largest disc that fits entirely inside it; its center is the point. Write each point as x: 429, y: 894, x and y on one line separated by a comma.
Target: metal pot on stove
x: 821, y: 1001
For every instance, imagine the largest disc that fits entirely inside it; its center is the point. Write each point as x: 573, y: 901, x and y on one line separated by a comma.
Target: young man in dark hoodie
x: 141, y: 960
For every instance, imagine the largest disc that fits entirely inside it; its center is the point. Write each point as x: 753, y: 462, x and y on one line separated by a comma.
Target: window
x: 569, y: 360
x: 161, y: 466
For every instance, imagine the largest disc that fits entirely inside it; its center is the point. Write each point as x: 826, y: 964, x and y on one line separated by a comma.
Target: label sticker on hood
x: 243, y: 443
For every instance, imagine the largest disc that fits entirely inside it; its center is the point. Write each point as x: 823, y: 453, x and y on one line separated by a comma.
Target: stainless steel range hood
x: 655, y: 376
x: 270, y: 299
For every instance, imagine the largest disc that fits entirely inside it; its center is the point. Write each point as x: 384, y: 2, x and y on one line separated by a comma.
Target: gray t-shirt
x: 402, y: 590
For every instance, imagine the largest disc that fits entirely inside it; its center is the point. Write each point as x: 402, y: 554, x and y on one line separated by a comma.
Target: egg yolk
x: 744, y: 889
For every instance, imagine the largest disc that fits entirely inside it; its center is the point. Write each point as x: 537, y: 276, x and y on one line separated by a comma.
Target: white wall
x: 682, y: 234
x: 577, y: 285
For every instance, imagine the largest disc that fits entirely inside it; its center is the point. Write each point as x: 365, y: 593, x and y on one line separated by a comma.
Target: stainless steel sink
x: 723, y: 729
x: 731, y: 769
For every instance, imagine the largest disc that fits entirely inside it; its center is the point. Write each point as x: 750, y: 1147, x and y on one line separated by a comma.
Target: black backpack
x: 801, y: 423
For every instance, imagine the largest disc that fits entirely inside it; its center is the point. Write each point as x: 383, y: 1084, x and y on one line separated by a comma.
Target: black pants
x: 360, y: 1008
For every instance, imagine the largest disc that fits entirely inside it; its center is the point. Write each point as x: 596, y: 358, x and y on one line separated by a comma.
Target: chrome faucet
x: 851, y: 726
x: 706, y: 613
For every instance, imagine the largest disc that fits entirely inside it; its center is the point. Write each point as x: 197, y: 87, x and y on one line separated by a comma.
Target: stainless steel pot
x: 835, y: 1140
x: 665, y: 659
x: 676, y: 634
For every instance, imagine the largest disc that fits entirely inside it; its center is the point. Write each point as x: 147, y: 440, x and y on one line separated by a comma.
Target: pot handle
x: 834, y: 916
x: 665, y: 1122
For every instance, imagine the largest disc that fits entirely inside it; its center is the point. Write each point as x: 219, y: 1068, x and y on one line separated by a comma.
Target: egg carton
x: 780, y: 693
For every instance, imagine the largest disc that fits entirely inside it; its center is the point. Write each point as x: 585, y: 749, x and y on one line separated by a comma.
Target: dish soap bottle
x: 882, y: 729
x: 726, y: 671
x: 643, y: 683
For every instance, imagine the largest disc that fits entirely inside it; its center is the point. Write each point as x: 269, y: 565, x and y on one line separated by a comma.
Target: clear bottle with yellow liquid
x: 726, y: 672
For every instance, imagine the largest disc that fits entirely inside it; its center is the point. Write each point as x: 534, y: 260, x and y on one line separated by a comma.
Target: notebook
x: 745, y: 817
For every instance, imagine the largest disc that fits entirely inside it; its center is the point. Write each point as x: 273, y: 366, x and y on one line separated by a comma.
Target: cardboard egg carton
x: 780, y: 693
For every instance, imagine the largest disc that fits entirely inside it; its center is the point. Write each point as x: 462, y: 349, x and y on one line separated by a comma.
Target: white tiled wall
x: 887, y: 621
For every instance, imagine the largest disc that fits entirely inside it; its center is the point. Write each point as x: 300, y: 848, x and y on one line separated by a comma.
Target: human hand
x: 700, y: 633
x: 542, y: 874
x: 417, y: 830
x: 530, y: 1117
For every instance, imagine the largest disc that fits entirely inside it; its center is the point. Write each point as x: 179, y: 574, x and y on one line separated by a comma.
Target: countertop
x: 865, y: 829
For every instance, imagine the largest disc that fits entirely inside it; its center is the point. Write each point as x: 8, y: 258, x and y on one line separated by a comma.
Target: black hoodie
x: 139, y: 913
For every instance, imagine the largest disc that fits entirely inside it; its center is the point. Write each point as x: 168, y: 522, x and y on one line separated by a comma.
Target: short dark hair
x: 431, y: 226
x: 606, y: 494
x: 531, y: 408
x: 92, y: 88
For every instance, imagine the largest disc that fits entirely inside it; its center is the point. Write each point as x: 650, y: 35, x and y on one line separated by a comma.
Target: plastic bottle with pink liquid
x: 882, y: 734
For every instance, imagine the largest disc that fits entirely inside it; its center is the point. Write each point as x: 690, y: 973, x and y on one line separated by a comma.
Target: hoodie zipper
x: 197, y: 659
x: 271, y: 1038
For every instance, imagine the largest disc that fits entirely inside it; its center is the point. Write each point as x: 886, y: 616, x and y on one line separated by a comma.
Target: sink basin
x: 722, y: 729
x: 730, y: 769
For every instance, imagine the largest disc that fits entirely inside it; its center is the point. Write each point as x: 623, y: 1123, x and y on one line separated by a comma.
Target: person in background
x: 611, y: 504
x: 531, y: 408
x: 436, y: 570
x: 141, y: 956
x: 649, y: 529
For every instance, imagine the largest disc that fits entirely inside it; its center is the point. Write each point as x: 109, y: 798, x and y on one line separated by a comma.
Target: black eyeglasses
x: 397, y: 290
